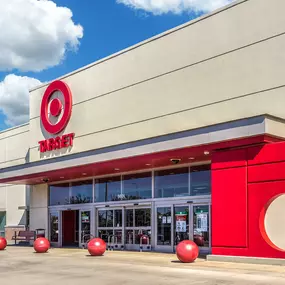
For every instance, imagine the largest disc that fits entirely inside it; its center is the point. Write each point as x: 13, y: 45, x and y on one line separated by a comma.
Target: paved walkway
x: 72, y: 266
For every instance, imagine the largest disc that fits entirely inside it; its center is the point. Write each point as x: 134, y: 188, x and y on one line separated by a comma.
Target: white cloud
x: 14, y: 98
x: 159, y: 7
x: 35, y: 34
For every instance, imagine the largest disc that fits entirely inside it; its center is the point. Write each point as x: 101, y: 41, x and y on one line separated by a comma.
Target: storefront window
x: 108, y: 189
x: 172, y: 183
x: 81, y: 192
x: 59, y: 194
x: 137, y: 186
x: 200, y: 180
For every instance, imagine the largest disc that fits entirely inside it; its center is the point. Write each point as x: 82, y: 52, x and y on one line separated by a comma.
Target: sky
x: 41, y: 40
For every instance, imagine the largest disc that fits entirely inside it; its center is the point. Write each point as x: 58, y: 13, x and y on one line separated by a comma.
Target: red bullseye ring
x: 55, y: 107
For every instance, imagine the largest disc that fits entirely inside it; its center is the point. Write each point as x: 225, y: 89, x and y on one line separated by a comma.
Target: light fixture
x: 148, y: 164
x: 191, y: 158
x: 84, y: 174
x: 61, y: 177
x: 206, y: 152
x: 117, y: 169
x: 175, y: 160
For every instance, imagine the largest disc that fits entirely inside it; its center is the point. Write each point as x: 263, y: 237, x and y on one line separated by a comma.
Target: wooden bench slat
x: 24, y: 235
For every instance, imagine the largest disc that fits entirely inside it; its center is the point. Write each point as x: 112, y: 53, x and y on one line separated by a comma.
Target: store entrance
x: 179, y: 222
x: 125, y: 227
x: 70, y: 228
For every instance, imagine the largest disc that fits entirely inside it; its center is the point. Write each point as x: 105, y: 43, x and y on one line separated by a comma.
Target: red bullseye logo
x: 55, y: 109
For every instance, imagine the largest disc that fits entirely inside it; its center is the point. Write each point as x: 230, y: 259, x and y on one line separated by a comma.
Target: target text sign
x: 54, y: 110
x: 56, y: 143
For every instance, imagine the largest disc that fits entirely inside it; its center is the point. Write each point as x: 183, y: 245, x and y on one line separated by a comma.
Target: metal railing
x: 111, y: 242
x: 85, y: 239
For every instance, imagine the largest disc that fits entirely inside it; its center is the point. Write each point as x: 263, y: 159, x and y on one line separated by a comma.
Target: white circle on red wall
x: 274, y: 223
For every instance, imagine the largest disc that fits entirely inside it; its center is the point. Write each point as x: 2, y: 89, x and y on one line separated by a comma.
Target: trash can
x: 40, y: 233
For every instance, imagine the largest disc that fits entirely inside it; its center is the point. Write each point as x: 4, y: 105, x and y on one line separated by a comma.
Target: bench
x: 24, y: 236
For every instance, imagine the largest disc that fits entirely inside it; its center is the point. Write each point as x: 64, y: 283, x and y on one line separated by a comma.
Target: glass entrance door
x: 138, y: 228
x: 164, y: 226
x: 85, y: 230
x: 181, y: 223
x: 175, y: 223
x: 110, y: 227
x: 54, y: 228
x: 125, y: 227
x: 201, y: 227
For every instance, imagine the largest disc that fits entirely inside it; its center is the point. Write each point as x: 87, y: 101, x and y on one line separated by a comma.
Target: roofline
x: 15, y: 127
x: 161, y: 35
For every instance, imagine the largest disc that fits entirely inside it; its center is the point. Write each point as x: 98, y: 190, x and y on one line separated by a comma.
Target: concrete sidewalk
x: 71, y: 266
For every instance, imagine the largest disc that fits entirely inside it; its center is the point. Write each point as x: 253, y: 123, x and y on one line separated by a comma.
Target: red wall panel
x: 266, y: 172
x: 259, y: 196
x: 229, y: 159
x: 229, y: 207
x: 242, y: 187
x: 268, y: 153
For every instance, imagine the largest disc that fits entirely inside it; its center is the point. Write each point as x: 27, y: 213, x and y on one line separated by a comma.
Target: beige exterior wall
x: 16, y: 197
x: 13, y: 200
x: 207, y: 72
x: 39, y: 207
x: 3, y: 198
x: 14, y: 150
x: 14, y: 146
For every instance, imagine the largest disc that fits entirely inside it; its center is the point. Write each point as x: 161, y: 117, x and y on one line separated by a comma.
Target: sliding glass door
x: 178, y: 222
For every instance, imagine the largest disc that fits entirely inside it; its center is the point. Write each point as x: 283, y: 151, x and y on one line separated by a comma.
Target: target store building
x: 178, y: 137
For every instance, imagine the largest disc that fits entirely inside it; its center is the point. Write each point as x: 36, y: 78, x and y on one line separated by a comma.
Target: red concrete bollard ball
x: 187, y: 251
x: 96, y: 247
x: 41, y: 245
x: 3, y: 243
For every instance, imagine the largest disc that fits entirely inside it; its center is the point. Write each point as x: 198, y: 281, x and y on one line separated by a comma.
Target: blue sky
x: 108, y: 27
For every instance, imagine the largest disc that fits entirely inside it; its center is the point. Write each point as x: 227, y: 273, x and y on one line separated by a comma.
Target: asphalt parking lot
x: 20, y: 265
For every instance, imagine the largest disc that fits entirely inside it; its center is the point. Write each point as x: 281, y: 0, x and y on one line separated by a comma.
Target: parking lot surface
x: 20, y: 265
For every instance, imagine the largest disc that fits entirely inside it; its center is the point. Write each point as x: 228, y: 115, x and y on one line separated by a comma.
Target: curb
x: 246, y: 260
